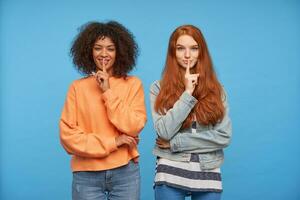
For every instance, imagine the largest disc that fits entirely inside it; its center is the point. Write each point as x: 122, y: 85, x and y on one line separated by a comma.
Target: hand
x: 102, y: 78
x: 137, y: 139
x: 126, y: 140
x: 190, y: 80
x: 163, y: 144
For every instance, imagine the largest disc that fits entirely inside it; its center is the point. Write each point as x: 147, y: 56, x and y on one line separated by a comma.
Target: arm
x: 217, y: 137
x: 166, y: 126
x: 75, y: 140
x: 129, y: 116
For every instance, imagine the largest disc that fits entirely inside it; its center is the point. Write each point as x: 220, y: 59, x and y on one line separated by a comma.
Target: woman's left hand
x: 163, y: 144
x: 102, y: 78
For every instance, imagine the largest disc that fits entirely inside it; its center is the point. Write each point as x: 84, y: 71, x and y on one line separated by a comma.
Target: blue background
x: 255, y: 47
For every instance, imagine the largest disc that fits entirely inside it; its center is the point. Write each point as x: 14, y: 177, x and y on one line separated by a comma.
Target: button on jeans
x: 122, y: 183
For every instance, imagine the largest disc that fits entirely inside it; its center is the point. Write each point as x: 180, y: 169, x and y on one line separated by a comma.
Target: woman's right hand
x: 126, y: 140
x: 190, y: 80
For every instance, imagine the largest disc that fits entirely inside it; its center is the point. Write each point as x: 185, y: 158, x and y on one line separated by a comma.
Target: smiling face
x: 187, y: 50
x: 104, y: 53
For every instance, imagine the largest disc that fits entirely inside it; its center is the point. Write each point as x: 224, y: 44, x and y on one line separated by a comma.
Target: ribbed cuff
x: 188, y: 99
x: 112, y: 145
x: 174, y: 145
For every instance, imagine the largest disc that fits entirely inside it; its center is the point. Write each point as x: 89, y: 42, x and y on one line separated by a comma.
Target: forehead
x: 186, y: 40
x: 104, y: 41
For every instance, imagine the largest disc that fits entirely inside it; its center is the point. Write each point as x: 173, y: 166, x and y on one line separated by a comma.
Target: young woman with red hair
x: 190, y: 116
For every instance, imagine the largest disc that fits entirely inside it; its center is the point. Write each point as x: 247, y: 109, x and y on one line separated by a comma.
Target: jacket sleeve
x: 167, y: 126
x: 77, y: 142
x: 215, y: 138
x: 128, y: 116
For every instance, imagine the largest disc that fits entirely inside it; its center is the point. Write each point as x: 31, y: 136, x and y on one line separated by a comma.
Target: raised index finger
x: 103, y: 66
x: 187, y: 69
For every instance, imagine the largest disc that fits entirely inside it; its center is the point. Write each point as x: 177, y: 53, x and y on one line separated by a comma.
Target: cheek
x: 113, y: 55
x: 196, y: 55
x: 179, y: 55
x: 95, y: 53
x: 113, y: 58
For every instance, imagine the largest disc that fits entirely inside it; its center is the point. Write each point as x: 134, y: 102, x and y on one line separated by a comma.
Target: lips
x: 186, y: 61
x: 104, y: 61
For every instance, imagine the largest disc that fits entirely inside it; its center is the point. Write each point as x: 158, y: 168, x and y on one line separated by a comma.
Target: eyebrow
x: 111, y: 45
x: 181, y: 45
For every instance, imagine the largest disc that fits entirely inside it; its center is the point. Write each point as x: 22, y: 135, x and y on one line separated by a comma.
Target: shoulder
x: 82, y: 81
x: 155, y: 87
x: 134, y: 80
x: 130, y: 81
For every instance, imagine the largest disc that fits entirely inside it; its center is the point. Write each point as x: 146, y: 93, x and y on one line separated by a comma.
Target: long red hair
x: 208, y: 92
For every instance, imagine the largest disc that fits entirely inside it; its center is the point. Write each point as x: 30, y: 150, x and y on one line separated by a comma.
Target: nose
x: 187, y: 53
x: 104, y: 52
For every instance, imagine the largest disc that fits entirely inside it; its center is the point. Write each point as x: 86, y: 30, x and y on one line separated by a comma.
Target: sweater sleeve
x: 167, y: 125
x: 77, y: 142
x: 215, y: 138
x: 128, y: 116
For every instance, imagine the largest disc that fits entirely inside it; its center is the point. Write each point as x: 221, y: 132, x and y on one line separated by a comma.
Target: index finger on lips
x: 103, y: 66
x: 187, y: 69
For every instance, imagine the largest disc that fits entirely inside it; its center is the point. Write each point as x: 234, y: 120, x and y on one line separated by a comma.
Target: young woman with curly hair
x: 103, y: 114
x: 190, y: 116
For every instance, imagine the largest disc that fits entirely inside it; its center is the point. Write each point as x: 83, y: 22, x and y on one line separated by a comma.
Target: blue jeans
x: 122, y: 183
x: 163, y: 192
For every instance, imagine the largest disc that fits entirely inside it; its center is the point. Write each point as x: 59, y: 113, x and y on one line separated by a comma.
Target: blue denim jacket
x: 208, y: 141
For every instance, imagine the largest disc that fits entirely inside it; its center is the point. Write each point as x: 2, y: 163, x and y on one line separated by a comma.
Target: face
x: 104, y: 53
x: 187, y: 50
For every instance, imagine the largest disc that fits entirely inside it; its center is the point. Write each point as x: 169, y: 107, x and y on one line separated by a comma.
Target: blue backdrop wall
x: 255, y: 47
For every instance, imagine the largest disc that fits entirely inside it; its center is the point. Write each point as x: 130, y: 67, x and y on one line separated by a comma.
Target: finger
x: 163, y: 146
x: 103, y: 66
x: 160, y: 145
x: 102, y: 75
x: 160, y: 139
x: 131, y: 141
x: 187, y: 69
x: 193, y: 76
x: 127, y: 141
x: 194, y: 80
x: 137, y: 139
x: 160, y: 142
x: 99, y: 79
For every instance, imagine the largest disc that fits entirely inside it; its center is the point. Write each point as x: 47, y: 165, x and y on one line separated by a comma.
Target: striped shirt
x: 187, y: 175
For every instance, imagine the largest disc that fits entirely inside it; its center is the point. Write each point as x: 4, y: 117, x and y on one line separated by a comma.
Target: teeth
x: 104, y: 60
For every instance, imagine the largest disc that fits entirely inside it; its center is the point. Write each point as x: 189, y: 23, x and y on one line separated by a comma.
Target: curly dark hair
x: 126, y: 47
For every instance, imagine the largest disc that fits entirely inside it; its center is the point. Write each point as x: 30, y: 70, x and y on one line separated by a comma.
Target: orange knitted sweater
x: 91, y: 120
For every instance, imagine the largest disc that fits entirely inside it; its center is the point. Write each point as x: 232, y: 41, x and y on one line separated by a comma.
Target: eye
x: 194, y: 48
x: 97, y: 48
x: 111, y: 49
x: 179, y: 48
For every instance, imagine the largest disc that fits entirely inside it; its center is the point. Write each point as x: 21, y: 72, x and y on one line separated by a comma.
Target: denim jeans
x: 122, y: 183
x: 163, y: 192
